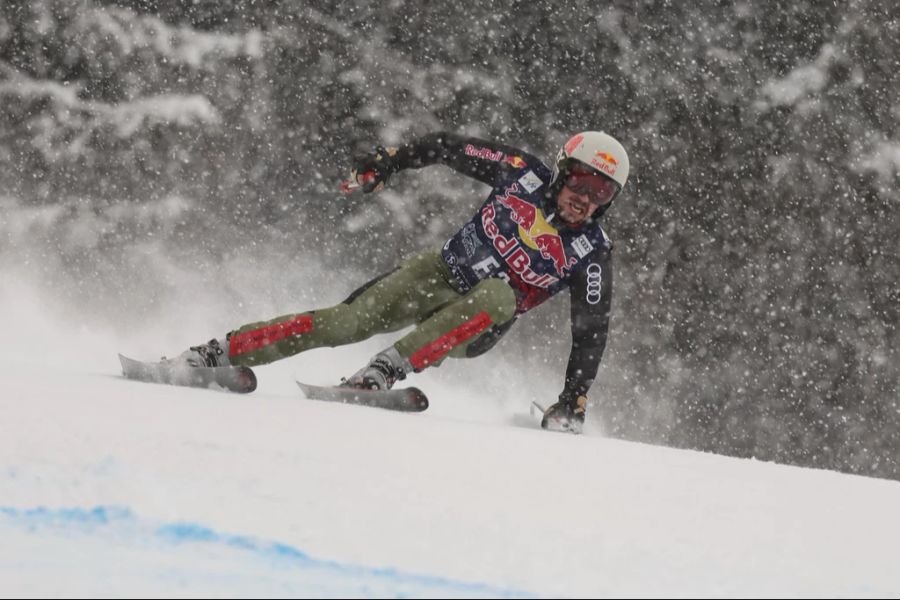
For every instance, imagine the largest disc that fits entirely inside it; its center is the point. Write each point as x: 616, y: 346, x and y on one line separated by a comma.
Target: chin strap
x: 601, y: 210
x: 549, y: 206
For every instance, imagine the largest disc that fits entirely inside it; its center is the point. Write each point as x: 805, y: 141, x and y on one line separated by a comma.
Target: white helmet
x: 598, y: 151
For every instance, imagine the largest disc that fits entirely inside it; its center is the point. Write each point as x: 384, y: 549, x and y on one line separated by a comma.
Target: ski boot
x: 210, y: 354
x: 383, y: 371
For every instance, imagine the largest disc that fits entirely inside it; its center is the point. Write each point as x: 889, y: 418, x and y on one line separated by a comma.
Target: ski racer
x: 537, y: 233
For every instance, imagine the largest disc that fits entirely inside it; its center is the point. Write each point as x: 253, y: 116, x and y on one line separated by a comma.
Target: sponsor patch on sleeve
x: 530, y: 181
x: 516, y: 161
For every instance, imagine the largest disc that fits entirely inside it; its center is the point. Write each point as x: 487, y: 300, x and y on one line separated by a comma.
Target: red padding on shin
x: 436, y: 350
x: 255, y: 339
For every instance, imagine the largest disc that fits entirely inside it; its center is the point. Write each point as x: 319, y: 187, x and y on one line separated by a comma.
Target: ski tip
x: 124, y: 360
x: 247, y: 379
x: 418, y: 399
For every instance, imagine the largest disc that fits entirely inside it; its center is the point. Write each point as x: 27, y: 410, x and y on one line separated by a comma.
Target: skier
x: 536, y: 233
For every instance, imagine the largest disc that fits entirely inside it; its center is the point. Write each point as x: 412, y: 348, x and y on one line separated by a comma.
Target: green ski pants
x: 418, y: 293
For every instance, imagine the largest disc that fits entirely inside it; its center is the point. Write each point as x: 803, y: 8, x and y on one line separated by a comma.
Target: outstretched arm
x: 477, y: 158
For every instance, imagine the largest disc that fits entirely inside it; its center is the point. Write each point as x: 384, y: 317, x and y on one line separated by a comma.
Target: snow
x: 179, y: 109
x: 803, y: 84
x: 884, y: 160
x: 110, y: 487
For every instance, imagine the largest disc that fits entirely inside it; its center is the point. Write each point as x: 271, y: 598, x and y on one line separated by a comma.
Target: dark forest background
x: 757, y: 275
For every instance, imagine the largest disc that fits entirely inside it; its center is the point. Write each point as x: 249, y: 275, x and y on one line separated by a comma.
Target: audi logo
x: 593, y: 283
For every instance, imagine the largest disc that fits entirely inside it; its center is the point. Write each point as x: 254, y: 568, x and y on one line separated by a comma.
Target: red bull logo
x: 551, y: 247
x: 515, y: 161
x: 486, y: 153
x: 607, y: 163
x: 524, y: 214
x: 535, y: 232
x: 609, y: 169
x: 510, y: 249
x: 606, y: 156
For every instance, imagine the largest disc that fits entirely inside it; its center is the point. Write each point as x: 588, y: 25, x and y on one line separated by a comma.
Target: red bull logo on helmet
x: 607, y: 157
x: 605, y: 162
x: 606, y: 167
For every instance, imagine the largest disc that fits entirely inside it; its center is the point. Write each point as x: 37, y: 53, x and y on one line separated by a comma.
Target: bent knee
x: 338, y: 324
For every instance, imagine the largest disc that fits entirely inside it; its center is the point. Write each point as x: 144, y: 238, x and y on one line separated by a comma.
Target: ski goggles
x: 599, y: 189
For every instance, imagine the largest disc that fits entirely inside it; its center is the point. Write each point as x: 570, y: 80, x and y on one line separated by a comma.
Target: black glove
x: 372, y: 171
x: 567, y: 414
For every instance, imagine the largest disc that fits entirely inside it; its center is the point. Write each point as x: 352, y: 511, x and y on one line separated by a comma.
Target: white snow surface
x: 110, y: 487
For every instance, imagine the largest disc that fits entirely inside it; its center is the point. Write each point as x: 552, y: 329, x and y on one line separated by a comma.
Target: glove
x: 372, y: 171
x: 566, y: 415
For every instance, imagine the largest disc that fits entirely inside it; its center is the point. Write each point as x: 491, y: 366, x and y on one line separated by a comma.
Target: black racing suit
x: 515, y: 236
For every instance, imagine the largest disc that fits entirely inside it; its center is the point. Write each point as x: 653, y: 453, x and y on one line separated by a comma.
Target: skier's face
x: 582, y: 194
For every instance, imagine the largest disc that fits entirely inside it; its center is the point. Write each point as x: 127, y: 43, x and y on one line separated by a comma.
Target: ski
x: 237, y: 379
x: 406, y: 399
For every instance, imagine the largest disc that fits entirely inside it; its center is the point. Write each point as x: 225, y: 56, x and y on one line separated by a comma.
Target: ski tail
x: 239, y: 379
